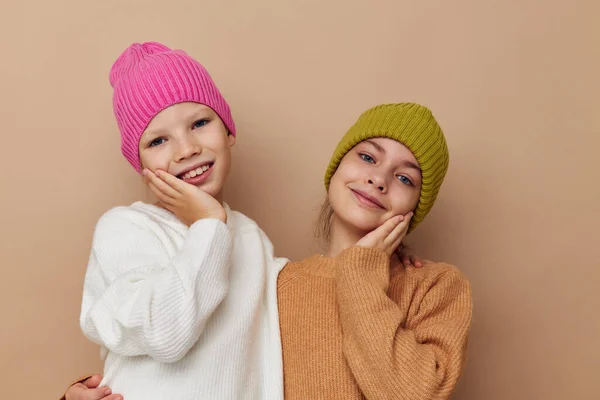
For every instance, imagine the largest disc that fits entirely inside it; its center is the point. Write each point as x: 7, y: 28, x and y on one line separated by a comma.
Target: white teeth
x: 196, y: 172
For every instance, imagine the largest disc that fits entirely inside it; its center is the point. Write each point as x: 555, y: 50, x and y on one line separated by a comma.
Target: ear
x: 230, y: 139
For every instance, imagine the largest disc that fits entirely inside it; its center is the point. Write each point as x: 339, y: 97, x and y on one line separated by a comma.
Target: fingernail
x: 107, y: 392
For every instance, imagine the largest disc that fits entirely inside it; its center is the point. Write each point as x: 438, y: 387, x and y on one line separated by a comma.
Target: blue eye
x: 157, y: 142
x: 367, y: 158
x: 405, y: 180
x: 200, y: 123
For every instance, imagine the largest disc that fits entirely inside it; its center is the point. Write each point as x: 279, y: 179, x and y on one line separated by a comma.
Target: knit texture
x: 149, y: 77
x: 415, y: 127
x: 184, y: 313
x: 350, y: 329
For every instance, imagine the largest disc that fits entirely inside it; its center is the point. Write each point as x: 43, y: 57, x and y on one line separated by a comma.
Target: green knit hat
x: 415, y: 127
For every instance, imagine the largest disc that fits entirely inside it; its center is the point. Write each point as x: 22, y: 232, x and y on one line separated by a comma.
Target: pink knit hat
x: 149, y: 77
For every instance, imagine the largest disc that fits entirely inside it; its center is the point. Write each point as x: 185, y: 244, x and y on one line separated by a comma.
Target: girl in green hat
x: 356, y: 322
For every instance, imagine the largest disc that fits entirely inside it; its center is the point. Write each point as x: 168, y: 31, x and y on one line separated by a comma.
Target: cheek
x: 222, y: 150
x: 347, y: 170
x: 155, y: 159
x: 217, y: 141
x: 336, y: 187
x: 144, y: 160
x: 406, y: 200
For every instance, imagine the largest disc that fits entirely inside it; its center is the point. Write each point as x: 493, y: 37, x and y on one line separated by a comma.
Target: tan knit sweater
x: 351, y: 329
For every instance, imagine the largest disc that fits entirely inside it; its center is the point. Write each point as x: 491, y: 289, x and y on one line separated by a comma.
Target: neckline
x: 318, y: 265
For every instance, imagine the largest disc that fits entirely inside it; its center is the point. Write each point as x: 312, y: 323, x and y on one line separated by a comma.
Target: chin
x: 210, y: 189
x: 364, y: 226
x: 362, y: 222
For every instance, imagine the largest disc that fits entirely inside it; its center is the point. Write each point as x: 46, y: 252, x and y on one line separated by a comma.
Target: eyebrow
x: 198, y: 114
x: 406, y: 163
x: 411, y: 164
x: 374, y: 144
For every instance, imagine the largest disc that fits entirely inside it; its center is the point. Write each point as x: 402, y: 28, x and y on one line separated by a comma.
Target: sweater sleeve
x: 137, y: 300
x: 415, y: 354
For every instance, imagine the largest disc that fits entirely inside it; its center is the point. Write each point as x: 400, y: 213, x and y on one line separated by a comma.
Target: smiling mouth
x: 367, y: 200
x: 195, y: 172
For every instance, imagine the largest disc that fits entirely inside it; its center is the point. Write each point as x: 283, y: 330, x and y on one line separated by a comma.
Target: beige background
x: 514, y: 83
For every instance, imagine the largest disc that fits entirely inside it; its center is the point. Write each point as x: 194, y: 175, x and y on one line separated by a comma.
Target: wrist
x: 220, y: 216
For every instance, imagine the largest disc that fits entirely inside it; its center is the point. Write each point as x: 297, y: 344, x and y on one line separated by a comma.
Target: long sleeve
x: 411, y: 350
x: 140, y: 300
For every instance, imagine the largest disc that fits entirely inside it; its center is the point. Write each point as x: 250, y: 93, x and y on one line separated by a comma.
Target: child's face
x: 376, y: 180
x: 190, y: 141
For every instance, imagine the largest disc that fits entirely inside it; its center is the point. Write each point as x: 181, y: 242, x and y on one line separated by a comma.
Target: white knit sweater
x: 184, y: 313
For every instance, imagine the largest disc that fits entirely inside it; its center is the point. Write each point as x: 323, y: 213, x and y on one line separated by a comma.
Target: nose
x: 377, y: 182
x: 187, y: 148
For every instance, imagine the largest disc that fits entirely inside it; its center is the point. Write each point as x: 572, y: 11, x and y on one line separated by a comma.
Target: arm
x: 138, y: 301
x: 416, y: 354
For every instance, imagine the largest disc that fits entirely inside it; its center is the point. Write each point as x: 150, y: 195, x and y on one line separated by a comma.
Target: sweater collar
x: 318, y: 265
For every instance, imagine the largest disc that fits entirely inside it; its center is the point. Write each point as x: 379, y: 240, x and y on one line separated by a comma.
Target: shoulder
x: 138, y: 222
x: 242, y: 222
x: 300, y: 273
x: 243, y: 226
x: 247, y: 229
x: 124, y: 216
x: 437, y: 290
x: 437, y: 270
x: 116, y: 216
x: 439, y: 277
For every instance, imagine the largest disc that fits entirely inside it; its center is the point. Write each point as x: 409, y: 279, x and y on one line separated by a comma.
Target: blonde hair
x: 323, y: 228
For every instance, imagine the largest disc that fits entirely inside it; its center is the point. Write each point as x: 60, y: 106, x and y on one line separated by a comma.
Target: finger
x: 79, y: 391
x: 380, y: 234
x: 162, y: 185
x: 416, y: 261
x: 406, y: 260
x: 113, y: 397
x: 395, y: 237
x: 173, y: 181
x: 399, y: 230
x: 93, y: 381
x: 161, y: 196
x: 388, y: 227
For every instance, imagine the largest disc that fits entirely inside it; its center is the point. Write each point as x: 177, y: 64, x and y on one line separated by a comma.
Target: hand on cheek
x: 186, y: 201
x: 388, y: 236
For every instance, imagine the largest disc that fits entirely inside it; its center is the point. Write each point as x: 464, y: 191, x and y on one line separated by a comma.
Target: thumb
x: 93, y: 381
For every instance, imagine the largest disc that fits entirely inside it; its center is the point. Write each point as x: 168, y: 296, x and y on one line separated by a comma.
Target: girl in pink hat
x: 181, y: 294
